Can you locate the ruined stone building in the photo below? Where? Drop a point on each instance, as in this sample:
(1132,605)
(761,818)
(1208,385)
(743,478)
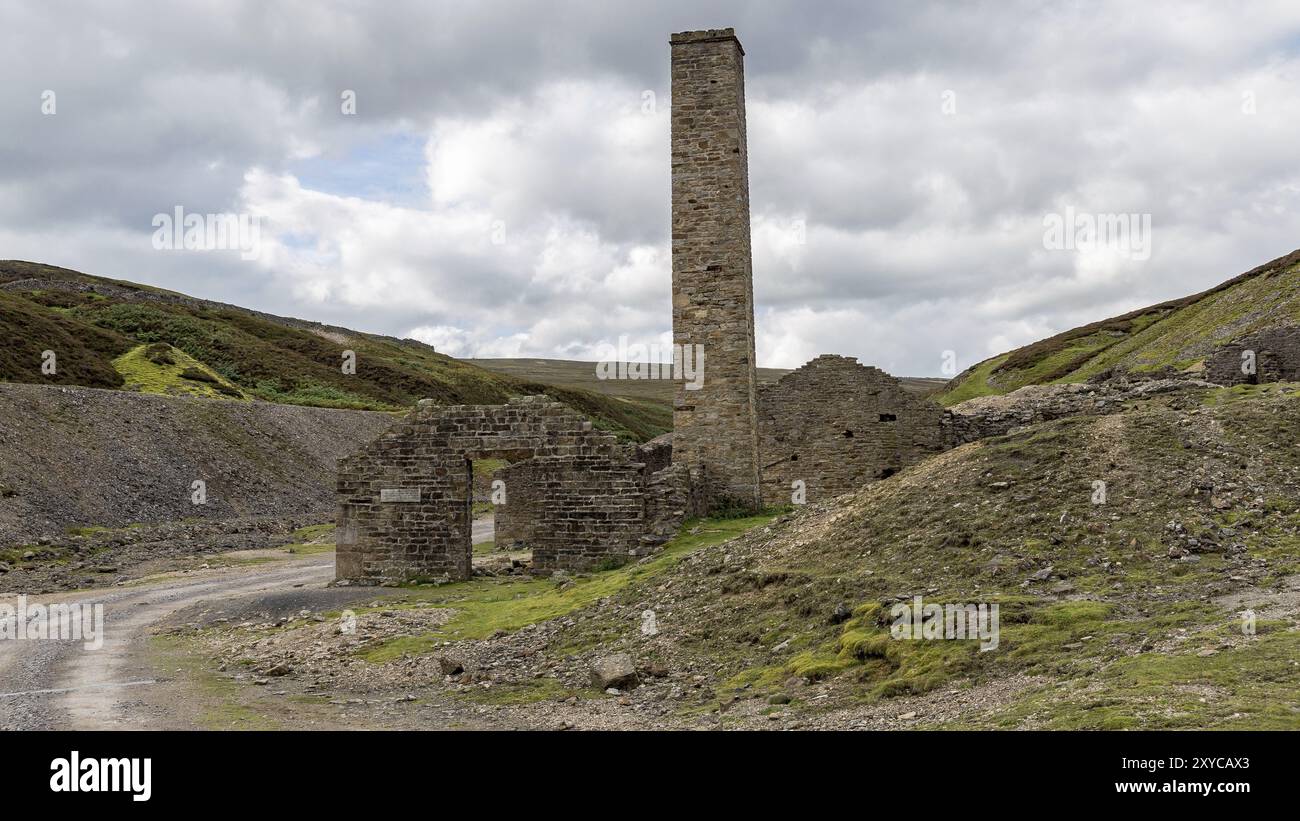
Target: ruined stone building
(406,499)
(580,500)
(834,425)
(515,523)
(1273,355)
(574,496)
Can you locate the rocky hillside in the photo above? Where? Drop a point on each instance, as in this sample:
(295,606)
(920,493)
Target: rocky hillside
(1172,337)
(1120,605)
(80,457)
(114,334)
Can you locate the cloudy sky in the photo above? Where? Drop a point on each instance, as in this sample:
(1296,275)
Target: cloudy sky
(502,188)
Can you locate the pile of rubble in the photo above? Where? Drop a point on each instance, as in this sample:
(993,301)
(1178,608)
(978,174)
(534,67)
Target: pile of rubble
(995,415)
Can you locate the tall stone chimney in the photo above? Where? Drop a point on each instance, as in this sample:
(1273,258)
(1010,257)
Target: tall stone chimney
(716,426)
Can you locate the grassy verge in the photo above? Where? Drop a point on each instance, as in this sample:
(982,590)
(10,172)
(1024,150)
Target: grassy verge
(524,692)
(217,702)
(485,606)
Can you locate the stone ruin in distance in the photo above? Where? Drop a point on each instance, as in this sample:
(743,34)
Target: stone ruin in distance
(576,497)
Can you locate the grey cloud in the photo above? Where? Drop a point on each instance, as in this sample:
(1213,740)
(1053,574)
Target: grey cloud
(919,225)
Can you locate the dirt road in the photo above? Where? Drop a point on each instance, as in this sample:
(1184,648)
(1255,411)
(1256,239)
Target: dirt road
(49,684)
(64,685)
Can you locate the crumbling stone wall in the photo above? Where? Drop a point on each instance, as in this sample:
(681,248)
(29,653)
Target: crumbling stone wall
(656,454)
(515,521)
(1277,358)
(713,296)
(837,425)
(673,495)
(405,500)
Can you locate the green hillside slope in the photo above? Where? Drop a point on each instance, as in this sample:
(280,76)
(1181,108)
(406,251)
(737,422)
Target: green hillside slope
(96,327)
(1175,335)
(1125,614)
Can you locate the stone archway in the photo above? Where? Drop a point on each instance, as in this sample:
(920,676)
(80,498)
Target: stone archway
(403,500)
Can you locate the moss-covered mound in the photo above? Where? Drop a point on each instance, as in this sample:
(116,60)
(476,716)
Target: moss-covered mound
(160,368)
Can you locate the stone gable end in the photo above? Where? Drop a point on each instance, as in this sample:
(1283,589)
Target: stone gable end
(837,425)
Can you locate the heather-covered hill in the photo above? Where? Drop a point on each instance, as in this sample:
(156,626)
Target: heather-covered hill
(1174,336)
(120,335)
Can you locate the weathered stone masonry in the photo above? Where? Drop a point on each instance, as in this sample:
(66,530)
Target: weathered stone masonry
(512,523)
(1276,352)
(515,522)
(405,501)
(837,425)
(715,428)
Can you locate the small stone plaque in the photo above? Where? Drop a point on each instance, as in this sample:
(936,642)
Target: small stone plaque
(399,494)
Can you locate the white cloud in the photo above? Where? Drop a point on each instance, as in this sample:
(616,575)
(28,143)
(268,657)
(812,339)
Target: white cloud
(883,227)
(504,260)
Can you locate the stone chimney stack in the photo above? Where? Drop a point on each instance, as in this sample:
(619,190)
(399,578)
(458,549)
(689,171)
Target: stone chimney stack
(715,427)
